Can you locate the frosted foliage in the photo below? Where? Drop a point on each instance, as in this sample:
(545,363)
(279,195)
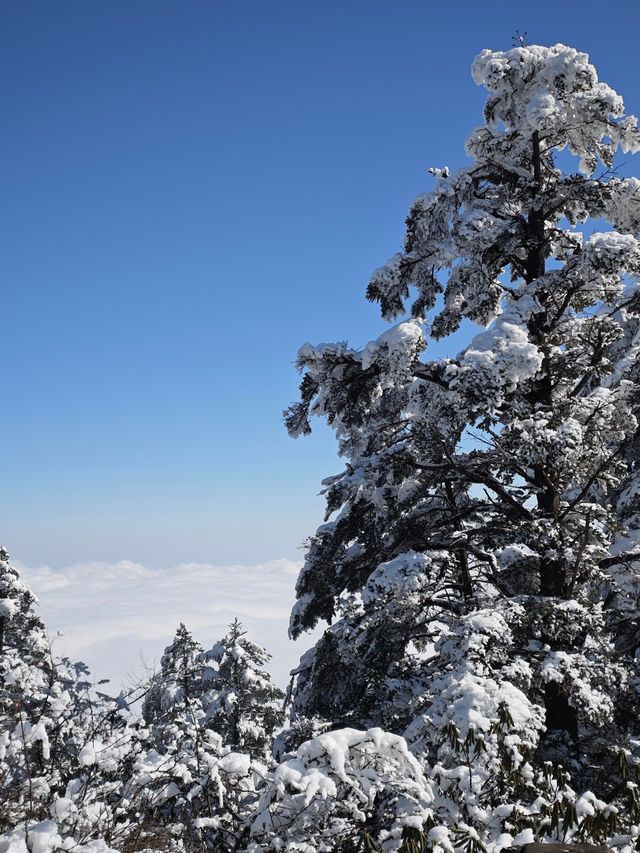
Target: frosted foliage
(395,351)
(339,788)
(478,565)
(195,789)
(623,207)
(494,365)
(553,91)
(177,687)
(192,775)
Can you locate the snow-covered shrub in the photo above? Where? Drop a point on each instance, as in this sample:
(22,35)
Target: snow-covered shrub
(343,790)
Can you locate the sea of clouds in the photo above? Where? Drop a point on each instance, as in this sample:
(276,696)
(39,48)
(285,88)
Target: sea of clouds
(118,617)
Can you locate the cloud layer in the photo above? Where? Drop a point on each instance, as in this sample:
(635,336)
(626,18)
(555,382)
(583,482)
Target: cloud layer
(115,615)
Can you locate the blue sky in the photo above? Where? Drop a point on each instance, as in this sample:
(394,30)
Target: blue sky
(190,191)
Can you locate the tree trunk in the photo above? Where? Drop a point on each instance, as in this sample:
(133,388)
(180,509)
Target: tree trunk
(560,715)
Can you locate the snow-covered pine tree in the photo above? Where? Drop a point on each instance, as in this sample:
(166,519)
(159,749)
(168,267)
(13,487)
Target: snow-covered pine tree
(27,677)
(189,788)
(179,680)
(474,563)
(243,705)
(61,741)
(175,781)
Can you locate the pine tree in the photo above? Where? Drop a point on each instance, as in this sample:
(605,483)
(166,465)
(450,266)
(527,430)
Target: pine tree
(20,627)
(27,680)
(243,706)
(479,560)
(175,781)
(189,786)
(62,742)
(178,684)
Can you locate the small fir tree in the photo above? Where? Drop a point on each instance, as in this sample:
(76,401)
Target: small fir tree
(175,782)
(243,706)
(344,790)
(178,685)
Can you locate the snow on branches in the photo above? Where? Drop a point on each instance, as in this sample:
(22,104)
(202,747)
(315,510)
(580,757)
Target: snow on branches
(343,788)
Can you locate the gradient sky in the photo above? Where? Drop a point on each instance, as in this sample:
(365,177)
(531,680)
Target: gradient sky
(191,190)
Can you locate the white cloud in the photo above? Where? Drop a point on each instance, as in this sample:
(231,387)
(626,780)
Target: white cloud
(112,614)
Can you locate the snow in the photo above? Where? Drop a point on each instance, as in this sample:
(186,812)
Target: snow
(235,762)
(87,755)
(44,837)
(524,837)
(472,703)
(513,554)
(8,607)
(396,349)
(400,576)
(495,363)
(39,733)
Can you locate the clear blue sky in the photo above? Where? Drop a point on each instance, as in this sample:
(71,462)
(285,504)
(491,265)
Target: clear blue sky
(191,190)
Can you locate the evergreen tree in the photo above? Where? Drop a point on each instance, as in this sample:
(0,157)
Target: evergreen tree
(175,782)
(177,687)
(21,629)
(62,743)
(188,787)
(479,561)
(243,706)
